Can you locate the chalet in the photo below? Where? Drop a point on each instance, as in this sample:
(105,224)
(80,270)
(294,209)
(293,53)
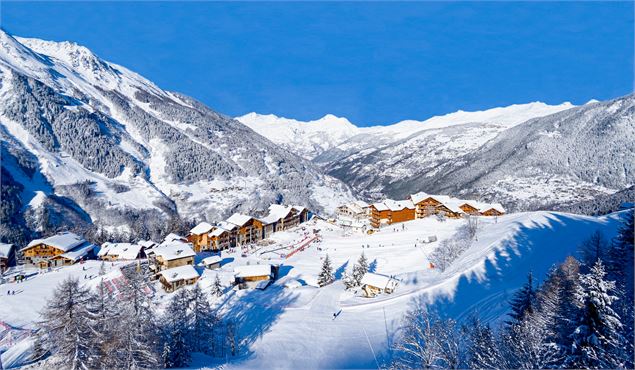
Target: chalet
(282,218)
(177,277)
(171,254)
(494,209)
(7,256)
(426,205)
(174,237)
(147,244)
(470,208)
(223,236)
(354,211)
(199,236)
(57,250)
(121,252)
(373,284)
(253,276)
(302,214)
(379,214)
(249,228)
(211,262)
(400,211)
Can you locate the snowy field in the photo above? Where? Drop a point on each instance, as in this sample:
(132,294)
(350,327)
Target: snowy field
(293,327)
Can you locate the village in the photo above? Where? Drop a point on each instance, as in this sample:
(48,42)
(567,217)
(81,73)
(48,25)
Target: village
(179,261)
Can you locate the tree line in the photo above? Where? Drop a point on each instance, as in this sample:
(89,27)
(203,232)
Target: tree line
(103,329)
(581,316)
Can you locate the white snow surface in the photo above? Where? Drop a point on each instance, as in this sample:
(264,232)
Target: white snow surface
(294,328)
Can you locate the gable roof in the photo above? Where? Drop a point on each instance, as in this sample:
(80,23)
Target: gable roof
(126,251)
(179,273)
(201,228)
(172,237)
(174,250)
(380,206)
(276,213)
(211,260)
(398,205)
(420,196)
(5,249)
(77,253)
(239,219)
(147,244)
(379,281)
(252,270)
(226,226)
(64,241)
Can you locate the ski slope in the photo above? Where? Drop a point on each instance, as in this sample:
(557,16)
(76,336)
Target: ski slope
(285,327)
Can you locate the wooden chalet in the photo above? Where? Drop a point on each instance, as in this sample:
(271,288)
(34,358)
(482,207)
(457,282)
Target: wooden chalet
(353,211)
(177,277)
(249,229)
(57,250)
(253,276)
(282,218)
(211,262)
(199,237)
(121,252)
(494,209)
(223,237)
(469,209)
(427,205)
(171,254)
(379,214)
(400,211)
(7,256)
(374,284)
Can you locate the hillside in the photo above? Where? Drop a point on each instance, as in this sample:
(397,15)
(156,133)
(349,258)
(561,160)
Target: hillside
(300,319)
(87,141)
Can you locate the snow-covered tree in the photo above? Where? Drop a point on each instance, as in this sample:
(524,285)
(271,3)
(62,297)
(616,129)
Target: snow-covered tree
(348,280)
(66,329)
(203,320)
(217,287)
(594,248)
(418,346)
(360,269)
(107,315)
(326,276)
(523,302)
(482,350)
(102,268)
(177,330)
(597,339)
(139,346)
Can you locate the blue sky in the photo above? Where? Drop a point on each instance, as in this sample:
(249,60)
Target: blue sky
(374,63)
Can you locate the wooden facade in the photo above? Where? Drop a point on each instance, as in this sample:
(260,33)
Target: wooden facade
(469,209)
(492,212)
(378,216)
(406,214)
(200,242)
(250,232)
(41,254)
(176,262)
(426,207)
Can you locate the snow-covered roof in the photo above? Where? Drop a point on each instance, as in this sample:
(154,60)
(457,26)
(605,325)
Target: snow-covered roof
(174,250)
(201,228)
(420,196)
(239,219)
(252,270)
(353,207)
(361,204)
(380,206)
(217,231)
(497,206)
(64,241)
(299,208)
(379,281)
(5,249)
(77,253)
(276,212)
(179,273)
(126,251)
(482,206)
(172,237)
(398,205)
(226,226)
(211,260)
(147,244)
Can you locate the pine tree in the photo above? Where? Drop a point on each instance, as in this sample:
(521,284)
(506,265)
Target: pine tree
(349,280)
(596,340)
(326,276)
(620,269)
(217,288)
(524,301)
(360,269)
(481,350)
(203,320)
(106,312)
(178,329)
(102,268)
(593,249)
(138,331)
(66,328)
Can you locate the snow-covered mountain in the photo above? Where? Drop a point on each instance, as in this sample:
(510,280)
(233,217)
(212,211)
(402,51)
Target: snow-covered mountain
(449,153)
(308,139)
(89,141)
